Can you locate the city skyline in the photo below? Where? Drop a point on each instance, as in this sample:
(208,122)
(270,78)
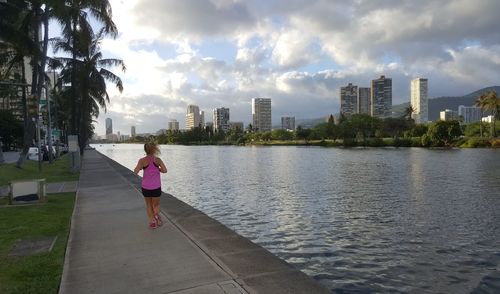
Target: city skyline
(299,54)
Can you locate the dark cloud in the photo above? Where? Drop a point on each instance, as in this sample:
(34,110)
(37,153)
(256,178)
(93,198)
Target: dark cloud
(194,17)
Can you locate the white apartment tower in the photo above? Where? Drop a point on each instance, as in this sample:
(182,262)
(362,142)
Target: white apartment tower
(221,119)
(202,119)
(173,125)
(192,117)
(381,97)
(349,99)
(419,100)
(261,114)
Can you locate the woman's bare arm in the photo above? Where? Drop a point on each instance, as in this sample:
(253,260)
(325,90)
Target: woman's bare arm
(163,168)
(138,167)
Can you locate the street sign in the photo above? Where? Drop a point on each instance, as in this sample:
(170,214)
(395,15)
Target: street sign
(56,132)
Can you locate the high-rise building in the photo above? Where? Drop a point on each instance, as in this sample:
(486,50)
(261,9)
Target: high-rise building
(381,97)
(469,114)
(221,119)
(364,102)
(109,126)
(173,125)
(261,114)
(349,99)
(202,119)
(288,123)
(448,114)
(192,116)
(419,100)
(132,131)
(12,98)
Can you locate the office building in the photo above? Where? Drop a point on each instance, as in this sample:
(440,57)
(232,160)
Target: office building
(109,126)
(221,120)
(261,114)
(469,114)
(132,131)
(448,115)
(364,103)
(419,100)
(381,97)
(192,116)
(288,123)
(349,99)
(173,125)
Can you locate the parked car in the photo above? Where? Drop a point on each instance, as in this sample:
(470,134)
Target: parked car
(33,153)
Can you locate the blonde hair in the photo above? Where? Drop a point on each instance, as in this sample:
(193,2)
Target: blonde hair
(151,148)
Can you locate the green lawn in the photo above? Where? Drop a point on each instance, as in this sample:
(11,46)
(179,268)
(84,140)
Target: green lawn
(58,171)
(39,273)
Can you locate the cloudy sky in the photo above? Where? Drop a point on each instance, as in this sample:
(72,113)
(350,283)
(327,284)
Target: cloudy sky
(222,53)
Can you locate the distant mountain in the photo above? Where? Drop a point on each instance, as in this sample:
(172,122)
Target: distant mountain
(441,103)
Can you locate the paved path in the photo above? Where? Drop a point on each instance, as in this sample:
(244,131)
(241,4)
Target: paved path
(111,250)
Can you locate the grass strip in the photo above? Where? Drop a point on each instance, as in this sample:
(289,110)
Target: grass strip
(40,273)
(58,171)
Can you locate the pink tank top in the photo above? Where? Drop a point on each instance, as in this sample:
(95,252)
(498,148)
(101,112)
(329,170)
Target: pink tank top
(151,175)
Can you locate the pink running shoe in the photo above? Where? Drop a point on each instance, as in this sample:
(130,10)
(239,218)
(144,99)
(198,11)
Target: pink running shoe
(152,225)
(159,222)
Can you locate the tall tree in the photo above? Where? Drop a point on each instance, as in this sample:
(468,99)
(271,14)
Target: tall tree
(76,30)
(408,112)
(490,102)
(90,73)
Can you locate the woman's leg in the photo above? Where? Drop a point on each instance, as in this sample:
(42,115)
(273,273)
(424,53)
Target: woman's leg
(149,208)
(156,205)
(156,209)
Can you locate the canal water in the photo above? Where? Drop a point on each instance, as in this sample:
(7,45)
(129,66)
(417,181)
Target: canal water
(357,220)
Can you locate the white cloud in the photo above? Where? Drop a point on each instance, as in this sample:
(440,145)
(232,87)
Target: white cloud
(297,52)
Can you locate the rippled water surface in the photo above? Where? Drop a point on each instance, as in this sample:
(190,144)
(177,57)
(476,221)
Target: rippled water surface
(357,220)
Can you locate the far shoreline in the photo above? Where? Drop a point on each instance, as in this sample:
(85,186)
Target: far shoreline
(385,143)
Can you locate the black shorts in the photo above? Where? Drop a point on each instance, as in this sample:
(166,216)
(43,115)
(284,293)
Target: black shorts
(151,193)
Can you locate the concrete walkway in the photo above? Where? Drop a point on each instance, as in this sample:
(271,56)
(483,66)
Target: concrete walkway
(111,250)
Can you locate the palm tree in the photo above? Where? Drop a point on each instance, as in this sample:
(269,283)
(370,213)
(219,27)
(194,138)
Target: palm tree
(489,101)
(408,112)
(76,30)
(90,72)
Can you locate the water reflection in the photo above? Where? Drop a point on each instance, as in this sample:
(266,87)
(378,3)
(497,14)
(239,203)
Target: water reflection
(372,220)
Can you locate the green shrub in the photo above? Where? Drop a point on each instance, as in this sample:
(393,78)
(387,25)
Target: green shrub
(495,143)
(426,141)
(375,142)
(348,142)
(476,143)
(416,142)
